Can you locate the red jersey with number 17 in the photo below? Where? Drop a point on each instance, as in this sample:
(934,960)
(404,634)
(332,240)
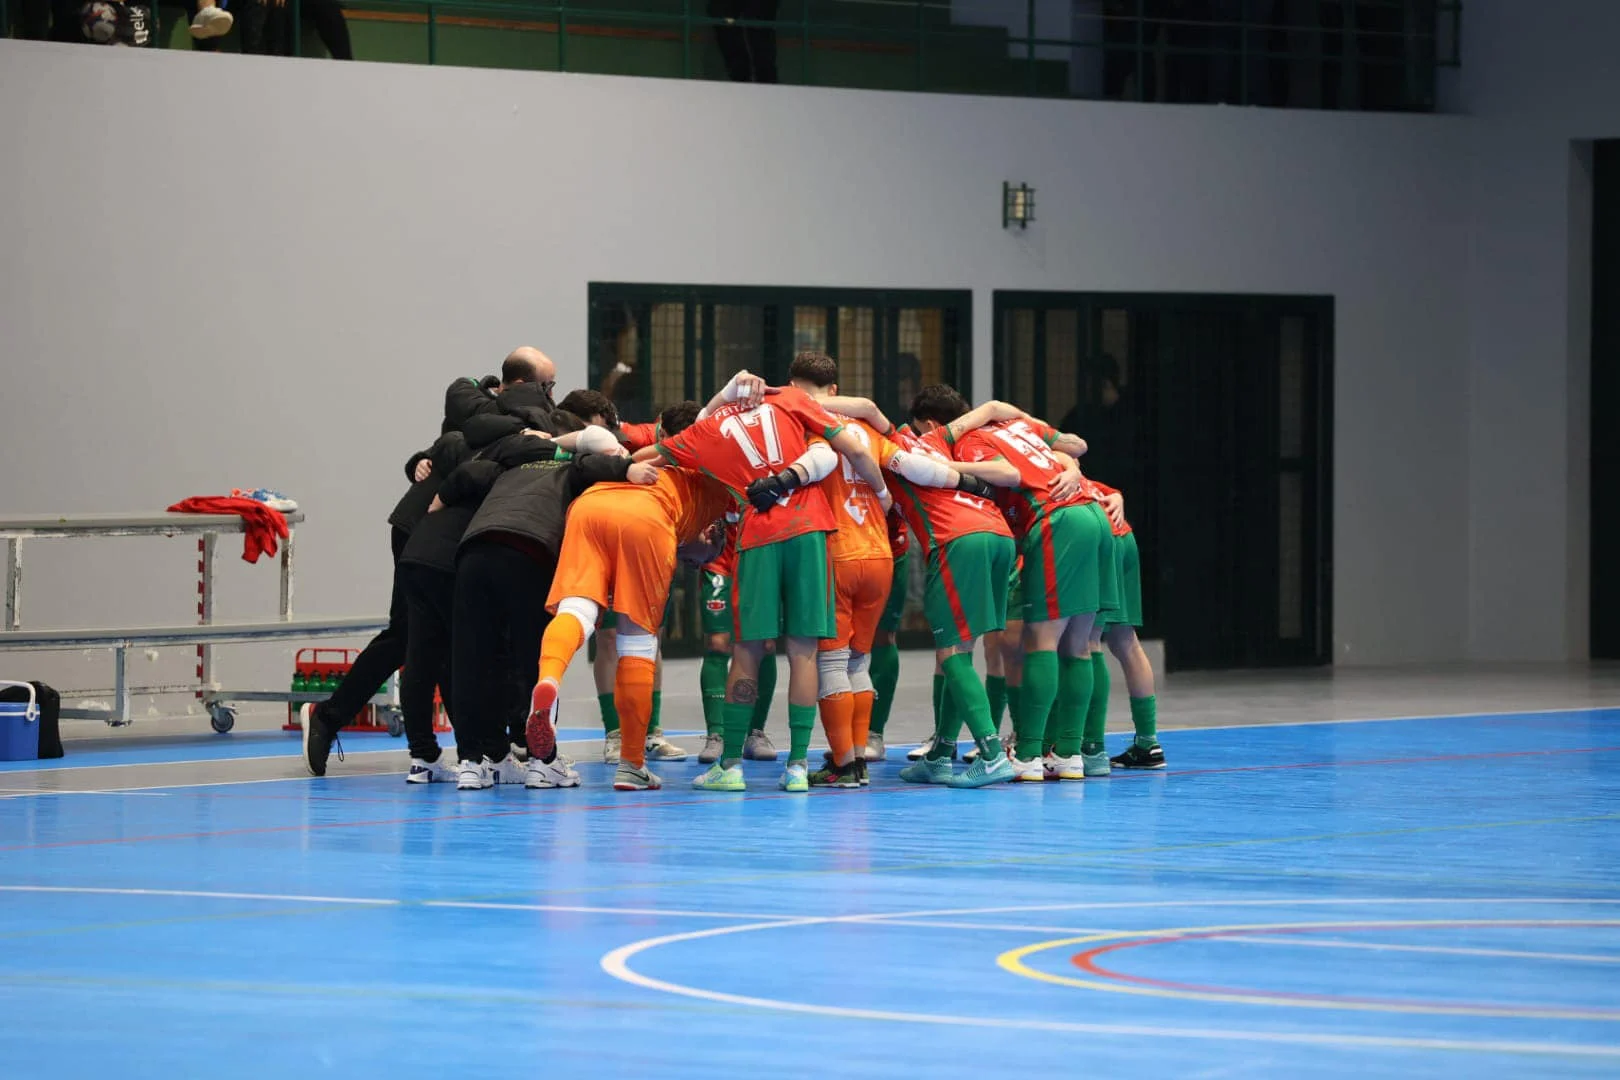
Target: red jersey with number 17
(1024,443)
(738,445)
(940,515)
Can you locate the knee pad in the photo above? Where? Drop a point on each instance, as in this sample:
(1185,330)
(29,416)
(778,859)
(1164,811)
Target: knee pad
(833,666)
(642,646)
(583,611)
(860,673)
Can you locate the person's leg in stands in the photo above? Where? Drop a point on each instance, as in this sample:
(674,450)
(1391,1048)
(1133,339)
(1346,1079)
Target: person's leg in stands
(35,23)
(327,15)
(382,656)
(761,40)
(731,40)
(429,598)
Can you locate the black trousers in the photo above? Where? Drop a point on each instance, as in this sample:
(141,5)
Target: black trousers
(381,657)
(325,15)
(749,52)
(498,619)
(429,603)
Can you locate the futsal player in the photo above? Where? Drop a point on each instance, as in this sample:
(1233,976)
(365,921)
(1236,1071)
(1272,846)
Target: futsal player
(1120,635)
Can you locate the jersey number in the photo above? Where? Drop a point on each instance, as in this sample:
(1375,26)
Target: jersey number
(853,505)
(1021,437)
(736,428)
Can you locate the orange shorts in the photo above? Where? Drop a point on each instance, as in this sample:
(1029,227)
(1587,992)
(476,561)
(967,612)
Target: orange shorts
(621,559)
(861,588)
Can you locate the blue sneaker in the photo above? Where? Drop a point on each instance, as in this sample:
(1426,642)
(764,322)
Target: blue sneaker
(982,773)
(927,771)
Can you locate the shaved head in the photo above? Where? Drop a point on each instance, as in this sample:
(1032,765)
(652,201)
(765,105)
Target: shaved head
(528,364)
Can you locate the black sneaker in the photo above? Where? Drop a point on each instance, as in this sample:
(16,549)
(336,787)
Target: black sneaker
(837,776)
(1135,757)
(865,773)
(320,738)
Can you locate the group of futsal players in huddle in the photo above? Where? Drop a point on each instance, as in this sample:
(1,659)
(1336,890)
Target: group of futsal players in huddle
(530,525)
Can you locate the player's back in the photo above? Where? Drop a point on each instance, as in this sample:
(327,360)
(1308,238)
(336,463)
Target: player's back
(1026,445)
(939,515)
(863,531)
(689,500)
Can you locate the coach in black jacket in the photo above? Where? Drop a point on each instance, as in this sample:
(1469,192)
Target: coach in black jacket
(504,568)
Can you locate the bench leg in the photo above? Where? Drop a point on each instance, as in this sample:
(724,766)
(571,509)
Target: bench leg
(13,583)
(205,609)
(121,707)
(287,574)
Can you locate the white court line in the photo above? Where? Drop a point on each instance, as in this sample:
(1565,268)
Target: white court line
(1285,939)
(660,912)
(1010,928)
(616,964)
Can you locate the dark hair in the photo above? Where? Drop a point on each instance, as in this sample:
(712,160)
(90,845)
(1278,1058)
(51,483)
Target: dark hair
(517,370)
(938,403)
(589,403)
(677,418)
(816,368)
(563,421)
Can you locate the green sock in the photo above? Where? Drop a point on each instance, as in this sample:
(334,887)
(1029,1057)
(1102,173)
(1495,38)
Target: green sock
(767,691)
(947,722)
(801,723)
(1013,706)
(885,677)
(1145,718)
(939,703)
(712,681)
(737,715)
(972,704)
(1091,738)
(658,701)
(1074,698)
(995,688)
(1039,692)
(610,712)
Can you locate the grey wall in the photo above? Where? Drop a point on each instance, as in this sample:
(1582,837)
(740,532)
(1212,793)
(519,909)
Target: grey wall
(279,296)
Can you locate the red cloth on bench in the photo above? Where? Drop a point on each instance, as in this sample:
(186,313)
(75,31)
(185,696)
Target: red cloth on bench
(263,526)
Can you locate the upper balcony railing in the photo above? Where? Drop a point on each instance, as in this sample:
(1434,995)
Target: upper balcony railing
(1313,54)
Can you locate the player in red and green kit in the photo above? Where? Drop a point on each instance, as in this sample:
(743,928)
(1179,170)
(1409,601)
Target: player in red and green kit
(783,586)
(1119,631)
(1068,576)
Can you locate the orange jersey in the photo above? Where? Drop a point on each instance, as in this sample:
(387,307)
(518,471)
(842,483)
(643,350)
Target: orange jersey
(939,515)
(737,445)
(1025,444)
(863,530)
(1103,489)
(689,501)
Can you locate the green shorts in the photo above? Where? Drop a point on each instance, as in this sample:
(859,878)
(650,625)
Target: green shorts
(899,587)
(1128,562)
(965,597)
(785,588)
(1069,565)
(716,603)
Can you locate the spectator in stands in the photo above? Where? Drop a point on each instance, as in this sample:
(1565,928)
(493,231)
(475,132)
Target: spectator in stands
(327,17)
(749,51)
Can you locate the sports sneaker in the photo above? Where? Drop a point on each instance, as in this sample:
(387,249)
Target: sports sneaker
(549,774)
(714,748)
(520,752)
(866,775)
(661,749)
(612,748)
(758,747)
(1136,756)
(927,771)
(1049,762)
(629,778)
(541,731)
(1029,771)
(837,776)
(1095,765)
(442,771)
(720,778)
(875,750)
(796,777)
(921,751)
(982,773)
(320,739)
(211,22)
(474,775)
(1067,768)
(508,770)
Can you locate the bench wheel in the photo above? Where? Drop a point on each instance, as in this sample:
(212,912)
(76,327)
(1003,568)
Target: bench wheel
(394,721)
(221,717)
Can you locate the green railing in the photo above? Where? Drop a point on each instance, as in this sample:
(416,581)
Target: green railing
(1349,54)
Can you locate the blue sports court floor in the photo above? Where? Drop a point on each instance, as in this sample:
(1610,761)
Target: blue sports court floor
(1403,897)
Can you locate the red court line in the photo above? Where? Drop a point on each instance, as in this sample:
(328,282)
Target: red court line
(1087,962)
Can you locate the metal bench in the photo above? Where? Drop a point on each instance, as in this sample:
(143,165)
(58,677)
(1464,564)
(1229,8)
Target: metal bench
(220,713)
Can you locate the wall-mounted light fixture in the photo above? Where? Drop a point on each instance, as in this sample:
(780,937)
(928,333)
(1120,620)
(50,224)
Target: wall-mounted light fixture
(1017,205)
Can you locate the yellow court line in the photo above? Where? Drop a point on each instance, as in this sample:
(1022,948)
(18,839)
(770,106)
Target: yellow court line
(1012,961)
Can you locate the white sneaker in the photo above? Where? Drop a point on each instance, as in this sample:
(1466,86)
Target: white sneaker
(758,747)
(443,771)
(211,22)
(661,749)
(1072,767)
(557,773)
(611,742)
(474,775)
(1029,771)
(972,754)
(714,748)
(875,750)
(917,753)
(509,770)
(520,752)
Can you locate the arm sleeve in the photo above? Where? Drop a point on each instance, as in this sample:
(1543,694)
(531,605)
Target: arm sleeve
(679,451)
(515,450)
(588,469)
(486,428)
(469,483)
(1047,433)
(449,451)
(819,462)
(412,461)
(921,469)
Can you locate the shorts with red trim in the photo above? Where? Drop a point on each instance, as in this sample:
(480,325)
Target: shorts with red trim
(1069,565)
(966,593)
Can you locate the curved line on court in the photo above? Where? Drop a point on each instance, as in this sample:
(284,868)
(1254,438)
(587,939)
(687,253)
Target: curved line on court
(1087,962)
(617,964)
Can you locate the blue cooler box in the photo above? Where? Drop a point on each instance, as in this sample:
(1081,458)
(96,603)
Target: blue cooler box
(19,726)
